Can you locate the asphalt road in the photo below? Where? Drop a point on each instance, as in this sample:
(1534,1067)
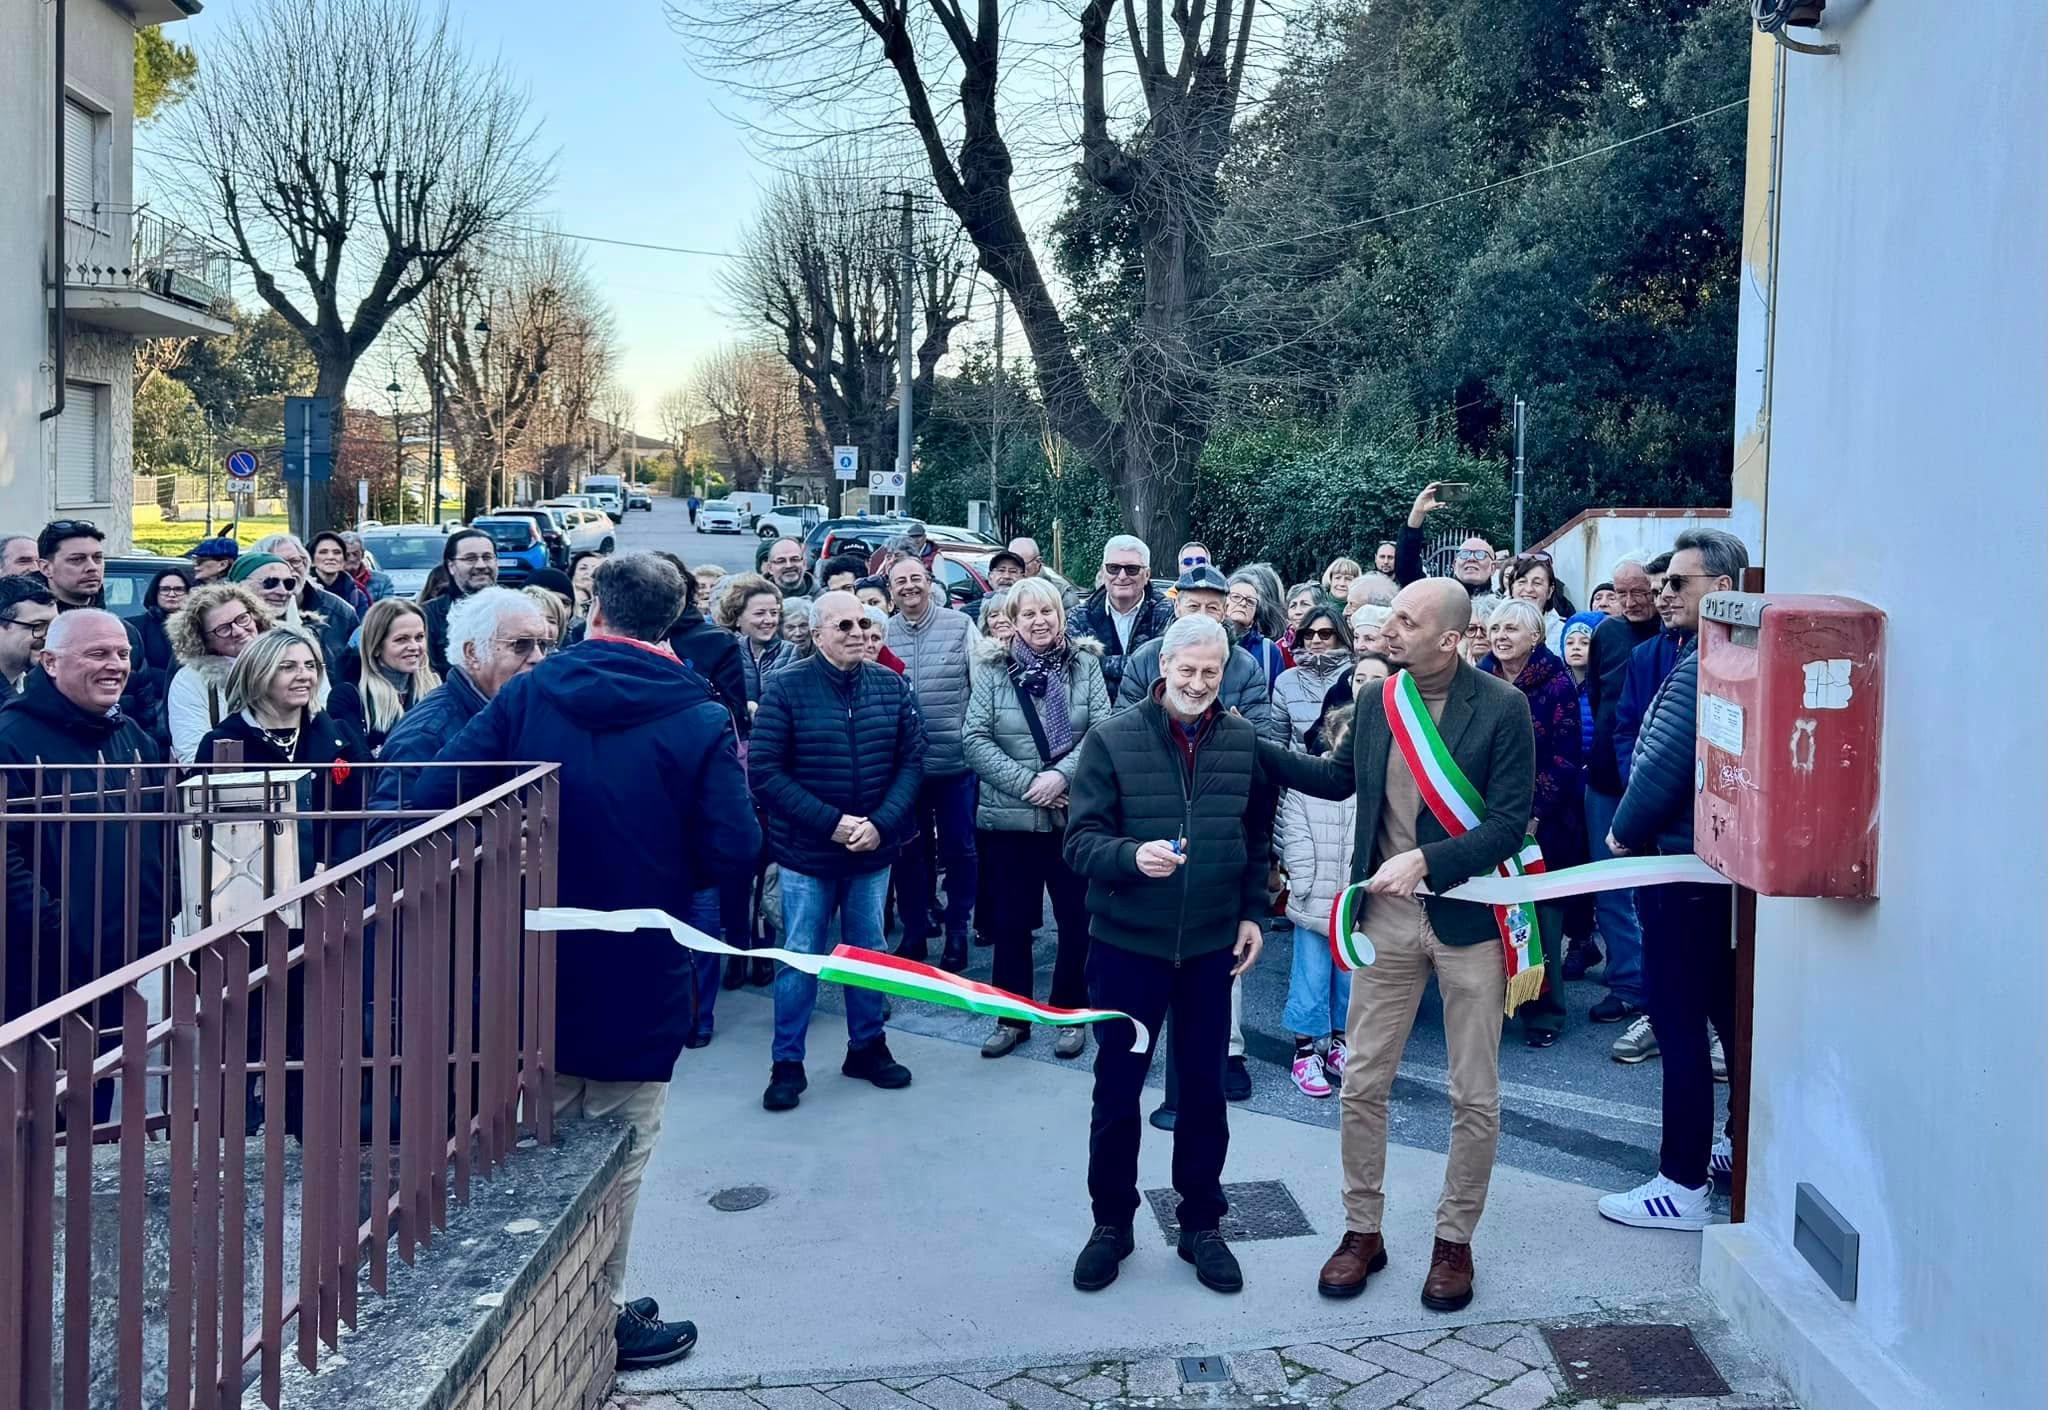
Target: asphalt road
(1568,1111)
(668,527)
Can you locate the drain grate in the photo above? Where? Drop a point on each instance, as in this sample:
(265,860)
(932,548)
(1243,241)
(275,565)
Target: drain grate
(740,1197)
(1623,1362)
(1259,1209)
(1197,1369)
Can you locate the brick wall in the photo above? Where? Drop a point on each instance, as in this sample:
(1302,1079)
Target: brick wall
(558,1349)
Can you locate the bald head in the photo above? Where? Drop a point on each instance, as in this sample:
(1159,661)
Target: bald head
(838,628)
(1425,625)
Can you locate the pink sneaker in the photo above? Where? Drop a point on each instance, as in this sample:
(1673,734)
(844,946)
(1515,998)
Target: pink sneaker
(1334,1060)
(1308,1075)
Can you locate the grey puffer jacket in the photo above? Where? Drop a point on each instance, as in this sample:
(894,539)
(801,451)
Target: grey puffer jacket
(935,666)
(1313,837)
(1656,811)
(1300,690)
(1244,690)
(998,743)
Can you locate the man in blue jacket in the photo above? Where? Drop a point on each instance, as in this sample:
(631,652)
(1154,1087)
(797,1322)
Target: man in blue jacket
(653,811)
(836,759)
(1688,961)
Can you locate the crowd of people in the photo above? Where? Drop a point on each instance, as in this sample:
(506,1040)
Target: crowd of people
(787,756)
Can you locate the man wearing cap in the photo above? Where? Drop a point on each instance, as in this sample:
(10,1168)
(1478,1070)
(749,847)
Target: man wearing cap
(918,543)
(1005,567)
(212,559)
(1201,591)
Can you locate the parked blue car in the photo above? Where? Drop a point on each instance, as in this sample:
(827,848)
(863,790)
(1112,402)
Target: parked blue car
(522,551)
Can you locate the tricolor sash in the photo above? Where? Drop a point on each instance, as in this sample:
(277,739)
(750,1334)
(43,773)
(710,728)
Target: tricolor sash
(1458,807)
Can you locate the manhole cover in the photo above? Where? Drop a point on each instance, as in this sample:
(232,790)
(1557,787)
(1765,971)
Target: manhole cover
(740,1197)
(1196,1369)
(1623,1362)
(1259,1209)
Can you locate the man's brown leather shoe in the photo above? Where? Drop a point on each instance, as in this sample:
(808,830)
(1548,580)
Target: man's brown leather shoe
(1448,1288)
(1357,1258)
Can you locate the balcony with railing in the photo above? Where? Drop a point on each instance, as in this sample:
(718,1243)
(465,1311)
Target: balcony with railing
(131,271)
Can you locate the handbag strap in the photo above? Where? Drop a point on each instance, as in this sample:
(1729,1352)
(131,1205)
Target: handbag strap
(1031,723)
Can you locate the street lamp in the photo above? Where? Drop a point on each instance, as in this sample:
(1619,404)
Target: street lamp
(397,447)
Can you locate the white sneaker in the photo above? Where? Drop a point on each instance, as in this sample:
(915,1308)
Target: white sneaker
(1719,1058)
(1334,1060)
(1659,1203)
(1638,1043)
(1721,1160)
(1308,1074)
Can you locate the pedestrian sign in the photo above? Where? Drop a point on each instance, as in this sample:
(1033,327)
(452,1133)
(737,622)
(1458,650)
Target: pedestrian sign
(242,465)
(846,462)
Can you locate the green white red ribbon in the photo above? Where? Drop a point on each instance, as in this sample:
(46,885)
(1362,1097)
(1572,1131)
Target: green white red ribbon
(1459,807)
(848,965)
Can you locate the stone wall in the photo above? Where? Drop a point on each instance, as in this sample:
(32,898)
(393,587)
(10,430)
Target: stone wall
(557,1346)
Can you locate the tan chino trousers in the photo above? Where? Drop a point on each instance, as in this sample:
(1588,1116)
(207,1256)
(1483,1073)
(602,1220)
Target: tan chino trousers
(1384,998)
(639,1105)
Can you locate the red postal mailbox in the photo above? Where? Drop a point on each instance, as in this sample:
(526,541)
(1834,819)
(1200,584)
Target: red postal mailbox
(1791,723)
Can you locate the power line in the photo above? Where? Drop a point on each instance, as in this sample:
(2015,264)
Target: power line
(1489,186)
(629,244)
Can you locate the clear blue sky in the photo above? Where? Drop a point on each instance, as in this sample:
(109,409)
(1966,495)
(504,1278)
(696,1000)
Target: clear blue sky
(640,155)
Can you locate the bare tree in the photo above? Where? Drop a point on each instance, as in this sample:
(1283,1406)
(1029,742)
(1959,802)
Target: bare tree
(821,266)
(752,396)
(1145,429)
(675,416)
(349,150)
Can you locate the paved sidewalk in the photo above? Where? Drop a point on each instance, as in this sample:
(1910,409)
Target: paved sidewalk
(1490,1366)
(926,1232)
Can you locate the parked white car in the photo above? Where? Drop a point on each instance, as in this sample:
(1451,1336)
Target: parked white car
(583,529)
(721,516)
(789,521)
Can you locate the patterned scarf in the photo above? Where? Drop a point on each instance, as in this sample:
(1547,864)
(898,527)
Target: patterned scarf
(1044,679)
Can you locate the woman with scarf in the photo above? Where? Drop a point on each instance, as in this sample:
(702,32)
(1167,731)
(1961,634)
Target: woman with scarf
(1300,598)
(1322,657)
(391,672)
(1031,704)
(1514,632)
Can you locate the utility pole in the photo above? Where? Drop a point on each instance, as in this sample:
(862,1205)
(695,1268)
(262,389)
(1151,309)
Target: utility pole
(908,276)
(995,418)
(434,391)
(1521,424)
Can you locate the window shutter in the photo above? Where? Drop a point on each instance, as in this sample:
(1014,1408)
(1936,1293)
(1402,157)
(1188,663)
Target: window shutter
(81,154)
(81,445)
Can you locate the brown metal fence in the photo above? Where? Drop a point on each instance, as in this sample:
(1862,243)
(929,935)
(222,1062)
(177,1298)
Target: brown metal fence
(285,1093)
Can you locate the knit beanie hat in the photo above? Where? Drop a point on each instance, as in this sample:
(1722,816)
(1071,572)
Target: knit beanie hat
(246,566)
(1588,622)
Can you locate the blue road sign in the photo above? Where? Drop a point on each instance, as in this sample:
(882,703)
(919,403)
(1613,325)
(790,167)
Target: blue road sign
(308,437)
(242,465)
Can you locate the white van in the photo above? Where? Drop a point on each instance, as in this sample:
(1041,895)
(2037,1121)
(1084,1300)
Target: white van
(610,493)
(751,503)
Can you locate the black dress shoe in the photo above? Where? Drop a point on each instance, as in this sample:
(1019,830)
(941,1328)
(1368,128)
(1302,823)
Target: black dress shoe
(761,973)
(916,950)
(697,1040)
(1237,1081)
(735,973)
(1215,1265)
(1108,1246)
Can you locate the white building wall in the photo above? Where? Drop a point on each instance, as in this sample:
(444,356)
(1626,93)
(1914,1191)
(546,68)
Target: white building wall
(100,69)
(1900,1045)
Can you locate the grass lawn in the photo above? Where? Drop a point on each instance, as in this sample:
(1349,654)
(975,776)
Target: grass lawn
(178,537)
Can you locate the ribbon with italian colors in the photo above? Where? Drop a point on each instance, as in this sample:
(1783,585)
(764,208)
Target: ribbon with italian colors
(1459,807)
(848,965)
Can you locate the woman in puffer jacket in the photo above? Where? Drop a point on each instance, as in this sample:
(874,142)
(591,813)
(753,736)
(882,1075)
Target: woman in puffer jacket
(1030,704)
(1322,657)
(1314,839)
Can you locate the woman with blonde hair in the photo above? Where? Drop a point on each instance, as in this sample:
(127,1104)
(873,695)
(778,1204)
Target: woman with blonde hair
(1338,577)
(391,669)
(553,607)
(750,608)
(217,622)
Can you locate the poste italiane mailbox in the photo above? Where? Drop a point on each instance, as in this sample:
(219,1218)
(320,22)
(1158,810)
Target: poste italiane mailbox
(1791,717)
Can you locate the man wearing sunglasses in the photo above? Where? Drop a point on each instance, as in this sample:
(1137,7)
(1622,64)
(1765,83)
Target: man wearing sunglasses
(1474,563)
(1126,611)
(654,812)
(835,762)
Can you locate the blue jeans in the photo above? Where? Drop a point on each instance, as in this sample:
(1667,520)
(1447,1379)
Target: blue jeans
(704,968)
(809,904)
(1615,911)
(942,832)
(1318,993)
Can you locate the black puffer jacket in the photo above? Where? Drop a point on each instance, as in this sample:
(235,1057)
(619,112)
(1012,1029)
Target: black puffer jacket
(1134,785)
(712,653)
(829,743)
(1155,615)
(1656,811)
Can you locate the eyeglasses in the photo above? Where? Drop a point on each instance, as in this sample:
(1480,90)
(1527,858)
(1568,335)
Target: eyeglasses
(524,646)
(277,584)
(1474,555)
(1320,634)
(34,629)
(473,560)
(1193,560)
(234,626)
(1124,570)
(71,528)
(1634,594)
(1675,583)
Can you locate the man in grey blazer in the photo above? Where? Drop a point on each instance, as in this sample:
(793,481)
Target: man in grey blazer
(1399,846)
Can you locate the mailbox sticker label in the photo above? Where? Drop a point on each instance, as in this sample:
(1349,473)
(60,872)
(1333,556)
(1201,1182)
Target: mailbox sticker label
(1721,723)
(1827,685)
